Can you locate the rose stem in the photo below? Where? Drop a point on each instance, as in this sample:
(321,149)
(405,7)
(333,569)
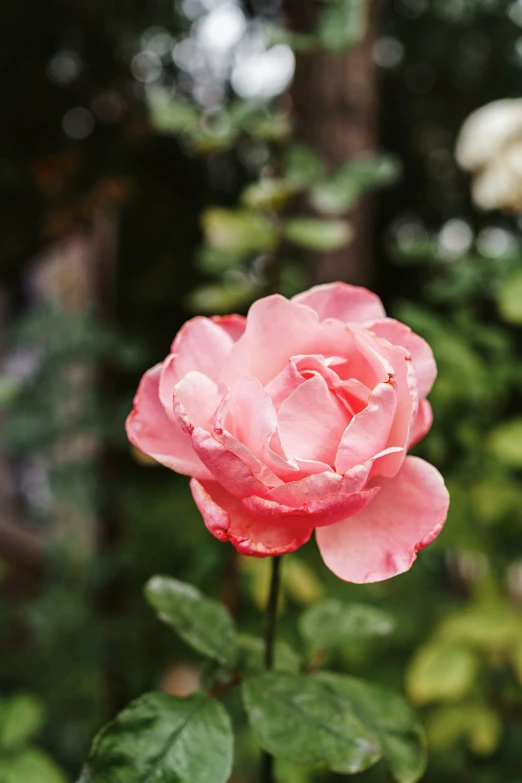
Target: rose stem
(271,622)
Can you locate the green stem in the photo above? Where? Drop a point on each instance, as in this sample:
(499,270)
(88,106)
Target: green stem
(267,772)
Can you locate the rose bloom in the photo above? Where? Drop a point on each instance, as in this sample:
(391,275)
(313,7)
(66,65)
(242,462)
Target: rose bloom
(490,147)
(298,418)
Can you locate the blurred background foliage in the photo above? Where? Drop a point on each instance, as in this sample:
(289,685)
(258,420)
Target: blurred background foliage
(155,162)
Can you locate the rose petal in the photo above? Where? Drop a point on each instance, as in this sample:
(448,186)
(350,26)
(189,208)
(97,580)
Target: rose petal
(422,424)
(227,520)
(286,382)
(234,325)
(153,433)
(235,473)
(249,415)
(327,510)
(366,365)
(368,432)
(383,539)
(407,400)
(421,353)
(311,422)
(247,423)
(277,329)
(196,399)
(168,380)
(201,345)
(347,303)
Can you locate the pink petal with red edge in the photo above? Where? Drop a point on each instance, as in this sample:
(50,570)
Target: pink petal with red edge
(318,486)
(227,520)
(232,471)
(420,351)
(325,511)
(382,540)
(153,433)
(348,303)
(246,423)
(201,345)
(407,400)
(277,329)
(368,432)
(234,325)
(422,424)
(311,422)
(259,470)
(249,415)
(196,399)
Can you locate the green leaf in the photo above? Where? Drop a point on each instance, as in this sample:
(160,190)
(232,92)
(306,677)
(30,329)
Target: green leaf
(268,194)
(509,298)
(342,24)
(9,389)
(201,622)
(492,628)
(332,623)
(352,180)
(216,138)
(505,443)
(477,723)
(238,231)
(160,739)
(441,672)
(257,120)
(301,582)
(303,166)
(32,766)
(251,656)
(302,720)
(21,717)
(223,297)
(319,235)
(335,197)
(371,171)
(171,115)
(213,260)
(394,728)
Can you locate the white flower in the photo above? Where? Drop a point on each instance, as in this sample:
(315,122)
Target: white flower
(490,147)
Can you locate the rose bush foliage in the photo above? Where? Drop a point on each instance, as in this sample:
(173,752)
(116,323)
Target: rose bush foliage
(299,418)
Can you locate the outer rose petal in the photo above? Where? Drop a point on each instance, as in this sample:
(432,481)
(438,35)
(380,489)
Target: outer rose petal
(168,380)
(328,510)
(422,424)
(317,486)
(202,345)
(347,303)
(383,539)
(151,431)
(238,474)
(227,520)
(417,347)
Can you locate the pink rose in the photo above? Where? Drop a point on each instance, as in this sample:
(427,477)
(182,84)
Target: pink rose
(298,418)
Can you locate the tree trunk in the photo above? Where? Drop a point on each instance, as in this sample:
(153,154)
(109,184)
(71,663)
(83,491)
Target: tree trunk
(334,108)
